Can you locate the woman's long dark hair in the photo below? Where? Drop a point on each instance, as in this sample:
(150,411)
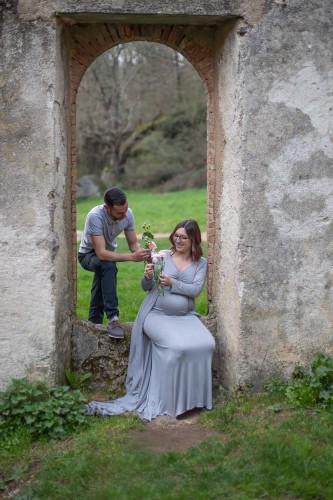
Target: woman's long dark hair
(193,232)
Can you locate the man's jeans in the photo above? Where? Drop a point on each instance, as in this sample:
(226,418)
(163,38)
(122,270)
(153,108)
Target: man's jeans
(104,287)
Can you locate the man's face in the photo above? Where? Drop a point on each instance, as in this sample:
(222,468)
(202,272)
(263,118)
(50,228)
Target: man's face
(117,212)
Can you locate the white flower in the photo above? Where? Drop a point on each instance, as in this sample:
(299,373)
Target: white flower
(155,259)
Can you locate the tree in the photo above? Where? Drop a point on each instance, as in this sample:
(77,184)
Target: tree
(124,98)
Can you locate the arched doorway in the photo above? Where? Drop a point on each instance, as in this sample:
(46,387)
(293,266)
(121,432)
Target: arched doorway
(214,50)
(141,125)
(90,41)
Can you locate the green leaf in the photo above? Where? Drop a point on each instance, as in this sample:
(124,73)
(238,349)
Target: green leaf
(148,234)
(29,419)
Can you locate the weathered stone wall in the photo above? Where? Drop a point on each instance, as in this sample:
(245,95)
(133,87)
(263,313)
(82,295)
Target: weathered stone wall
(269,89)
(274,284)
(35,291)
(94,352)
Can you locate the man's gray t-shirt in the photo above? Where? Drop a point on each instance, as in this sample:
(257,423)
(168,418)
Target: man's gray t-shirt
(99,223)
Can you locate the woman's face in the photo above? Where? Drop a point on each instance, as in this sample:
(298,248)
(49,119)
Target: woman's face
(181,241)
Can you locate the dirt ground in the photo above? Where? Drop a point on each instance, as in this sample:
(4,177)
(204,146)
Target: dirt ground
(166,434)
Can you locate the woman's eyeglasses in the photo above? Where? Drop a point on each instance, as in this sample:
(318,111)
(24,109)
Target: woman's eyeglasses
(180,237)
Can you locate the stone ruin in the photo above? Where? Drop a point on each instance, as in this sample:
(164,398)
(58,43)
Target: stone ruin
(268,75)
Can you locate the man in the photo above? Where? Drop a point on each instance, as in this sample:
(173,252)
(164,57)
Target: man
(97,253)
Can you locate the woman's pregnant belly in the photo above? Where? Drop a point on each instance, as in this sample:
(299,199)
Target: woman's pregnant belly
(172,304)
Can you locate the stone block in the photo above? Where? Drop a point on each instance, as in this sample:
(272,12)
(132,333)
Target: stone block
(95,352)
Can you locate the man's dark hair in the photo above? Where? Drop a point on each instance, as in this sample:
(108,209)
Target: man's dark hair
(114,196)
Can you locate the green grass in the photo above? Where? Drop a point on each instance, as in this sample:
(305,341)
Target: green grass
(259,453)
(162,211)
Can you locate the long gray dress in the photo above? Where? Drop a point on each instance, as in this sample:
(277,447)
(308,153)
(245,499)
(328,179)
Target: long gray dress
(169,370)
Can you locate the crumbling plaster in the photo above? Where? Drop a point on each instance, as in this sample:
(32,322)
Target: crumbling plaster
(285,245)
(35,319)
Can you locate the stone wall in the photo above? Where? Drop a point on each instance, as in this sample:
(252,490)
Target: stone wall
(35,315)
(93,351)
(277,191)
(268,75)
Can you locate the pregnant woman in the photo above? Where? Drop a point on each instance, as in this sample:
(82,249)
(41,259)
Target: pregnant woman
(169,369)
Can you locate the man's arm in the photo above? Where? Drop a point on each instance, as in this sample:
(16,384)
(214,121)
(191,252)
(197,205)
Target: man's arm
(138,255)
(132,240)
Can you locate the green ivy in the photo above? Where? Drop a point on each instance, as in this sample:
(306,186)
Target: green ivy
(45,411)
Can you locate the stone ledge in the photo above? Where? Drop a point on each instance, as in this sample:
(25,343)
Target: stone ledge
(106,358)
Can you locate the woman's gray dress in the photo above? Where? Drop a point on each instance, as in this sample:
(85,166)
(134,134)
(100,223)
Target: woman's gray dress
(169,369)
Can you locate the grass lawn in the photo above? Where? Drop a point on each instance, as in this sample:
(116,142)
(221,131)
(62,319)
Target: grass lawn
(264,450)
(162,211)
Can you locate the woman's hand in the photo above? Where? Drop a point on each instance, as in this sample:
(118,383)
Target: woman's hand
(149,271)
(165,280)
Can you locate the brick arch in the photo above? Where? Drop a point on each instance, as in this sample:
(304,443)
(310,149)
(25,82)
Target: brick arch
(90,42)
(194,42)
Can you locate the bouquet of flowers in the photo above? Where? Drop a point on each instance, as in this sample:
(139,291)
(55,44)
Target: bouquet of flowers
(158,261)
(157,258)
(148,238)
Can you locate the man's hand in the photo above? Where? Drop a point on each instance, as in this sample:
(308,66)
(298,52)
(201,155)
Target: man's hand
(138,254)
(141,254)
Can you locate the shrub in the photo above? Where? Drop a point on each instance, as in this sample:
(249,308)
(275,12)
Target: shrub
(276,386)
(314,384)
(42,410)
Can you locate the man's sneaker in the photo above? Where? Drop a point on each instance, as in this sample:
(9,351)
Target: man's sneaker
(114,329)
